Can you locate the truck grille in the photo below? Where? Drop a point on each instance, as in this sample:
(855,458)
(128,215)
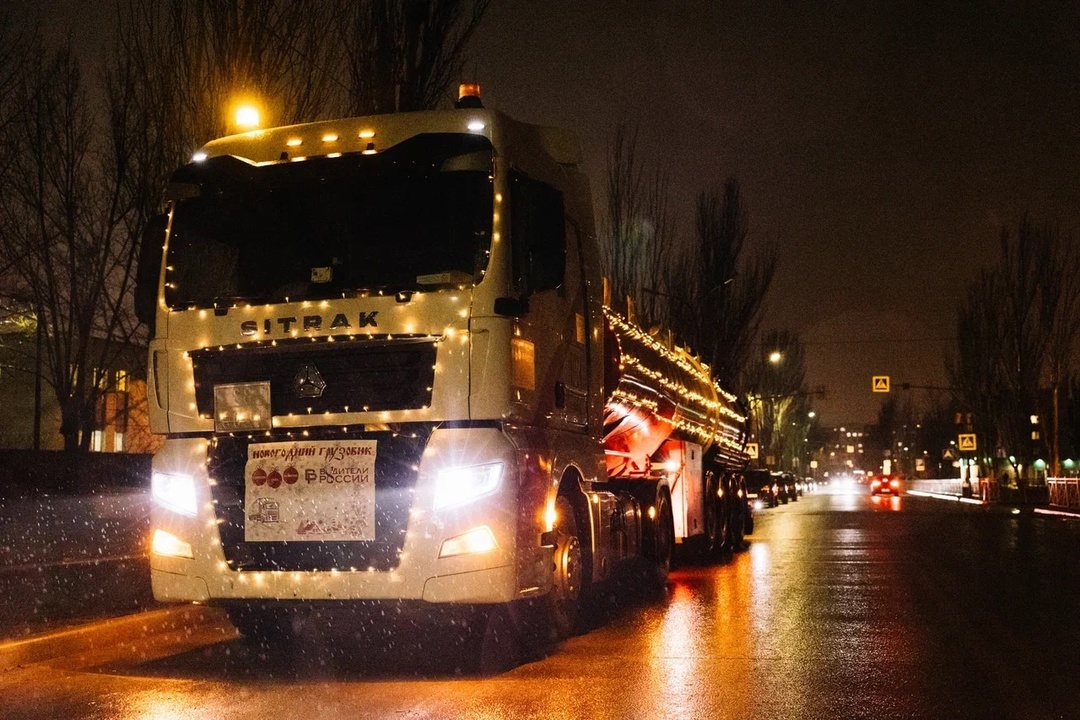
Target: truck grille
(359,376)
(396,460)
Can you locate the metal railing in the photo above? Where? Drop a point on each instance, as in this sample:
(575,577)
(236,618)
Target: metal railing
(1064,492)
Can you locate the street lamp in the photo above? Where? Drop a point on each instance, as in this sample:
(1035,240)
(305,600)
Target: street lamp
(775,357)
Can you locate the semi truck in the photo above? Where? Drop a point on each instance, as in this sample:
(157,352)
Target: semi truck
(385,370)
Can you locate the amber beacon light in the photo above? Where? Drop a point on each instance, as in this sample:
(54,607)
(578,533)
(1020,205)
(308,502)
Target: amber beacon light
(469,96)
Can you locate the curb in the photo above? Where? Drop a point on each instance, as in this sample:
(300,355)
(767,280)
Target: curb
(97,636)
(1038,510)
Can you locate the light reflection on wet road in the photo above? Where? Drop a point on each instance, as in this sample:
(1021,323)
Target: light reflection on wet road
(844,606)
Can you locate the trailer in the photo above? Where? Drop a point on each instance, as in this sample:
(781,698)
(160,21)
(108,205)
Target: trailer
(385,371)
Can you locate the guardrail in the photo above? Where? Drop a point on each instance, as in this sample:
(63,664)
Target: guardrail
(1064,492)
(945,486)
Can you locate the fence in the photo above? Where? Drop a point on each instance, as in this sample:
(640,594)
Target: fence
(946,486)
(1064,492)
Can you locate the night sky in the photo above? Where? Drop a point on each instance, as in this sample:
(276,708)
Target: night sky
(880,145)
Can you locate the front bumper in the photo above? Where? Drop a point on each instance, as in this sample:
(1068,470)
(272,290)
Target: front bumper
(220,571)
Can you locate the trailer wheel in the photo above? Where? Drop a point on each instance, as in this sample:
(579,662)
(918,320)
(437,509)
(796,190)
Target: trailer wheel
(736,536)
(716,514)
(661,540)
(569,575)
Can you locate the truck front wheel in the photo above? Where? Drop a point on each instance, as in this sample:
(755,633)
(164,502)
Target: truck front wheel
(569,576)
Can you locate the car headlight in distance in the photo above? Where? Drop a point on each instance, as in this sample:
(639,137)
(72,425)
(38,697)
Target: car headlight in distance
(460,485)
(174,491)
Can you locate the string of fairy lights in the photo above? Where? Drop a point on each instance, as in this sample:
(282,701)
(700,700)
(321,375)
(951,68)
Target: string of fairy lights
(714,405)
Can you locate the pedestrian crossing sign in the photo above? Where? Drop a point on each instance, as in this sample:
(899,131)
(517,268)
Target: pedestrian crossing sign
(966,442)
(881,383)
(752,450)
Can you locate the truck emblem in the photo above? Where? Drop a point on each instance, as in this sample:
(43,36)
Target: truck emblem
(308,383)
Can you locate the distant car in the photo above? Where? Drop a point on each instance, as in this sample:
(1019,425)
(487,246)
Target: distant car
(762,486)
(884,484)
(789,488)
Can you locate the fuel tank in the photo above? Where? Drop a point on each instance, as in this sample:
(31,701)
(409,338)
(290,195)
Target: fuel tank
(655,390)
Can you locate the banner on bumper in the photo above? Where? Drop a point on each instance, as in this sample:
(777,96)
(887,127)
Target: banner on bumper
(310,491)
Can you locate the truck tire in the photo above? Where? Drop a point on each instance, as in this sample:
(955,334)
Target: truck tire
(568,581)
(716,515)
(660,541)
(736,528)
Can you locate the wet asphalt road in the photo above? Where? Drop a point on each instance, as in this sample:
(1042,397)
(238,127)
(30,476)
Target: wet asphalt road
(844,606)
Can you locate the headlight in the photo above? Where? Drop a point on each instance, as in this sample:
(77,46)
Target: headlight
(460,485)
(175,492)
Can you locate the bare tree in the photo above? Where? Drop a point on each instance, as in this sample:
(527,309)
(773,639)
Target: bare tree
(779,399)
(1016,335)
(975,371)
(726,289)
(62,234)
(403,55)
(16,46)
(1060,305)
(178,64)
(639,229)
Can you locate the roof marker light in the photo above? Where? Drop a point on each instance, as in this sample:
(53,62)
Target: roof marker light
(294,142)
(329,137)
(367,134)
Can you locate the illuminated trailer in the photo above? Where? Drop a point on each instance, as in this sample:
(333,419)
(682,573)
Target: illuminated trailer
(384,371)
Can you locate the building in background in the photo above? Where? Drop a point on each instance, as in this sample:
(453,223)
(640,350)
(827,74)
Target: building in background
(121,420)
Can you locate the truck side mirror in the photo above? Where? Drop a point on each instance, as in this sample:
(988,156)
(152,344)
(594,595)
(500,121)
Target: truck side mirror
(151,250)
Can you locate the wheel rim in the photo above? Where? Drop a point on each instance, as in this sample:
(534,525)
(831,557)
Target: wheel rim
(568,564)
(716,524)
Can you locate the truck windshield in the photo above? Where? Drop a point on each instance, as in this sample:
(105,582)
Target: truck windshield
(418,214)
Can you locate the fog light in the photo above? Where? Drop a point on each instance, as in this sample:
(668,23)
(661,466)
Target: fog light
(477,540)
(169,545)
